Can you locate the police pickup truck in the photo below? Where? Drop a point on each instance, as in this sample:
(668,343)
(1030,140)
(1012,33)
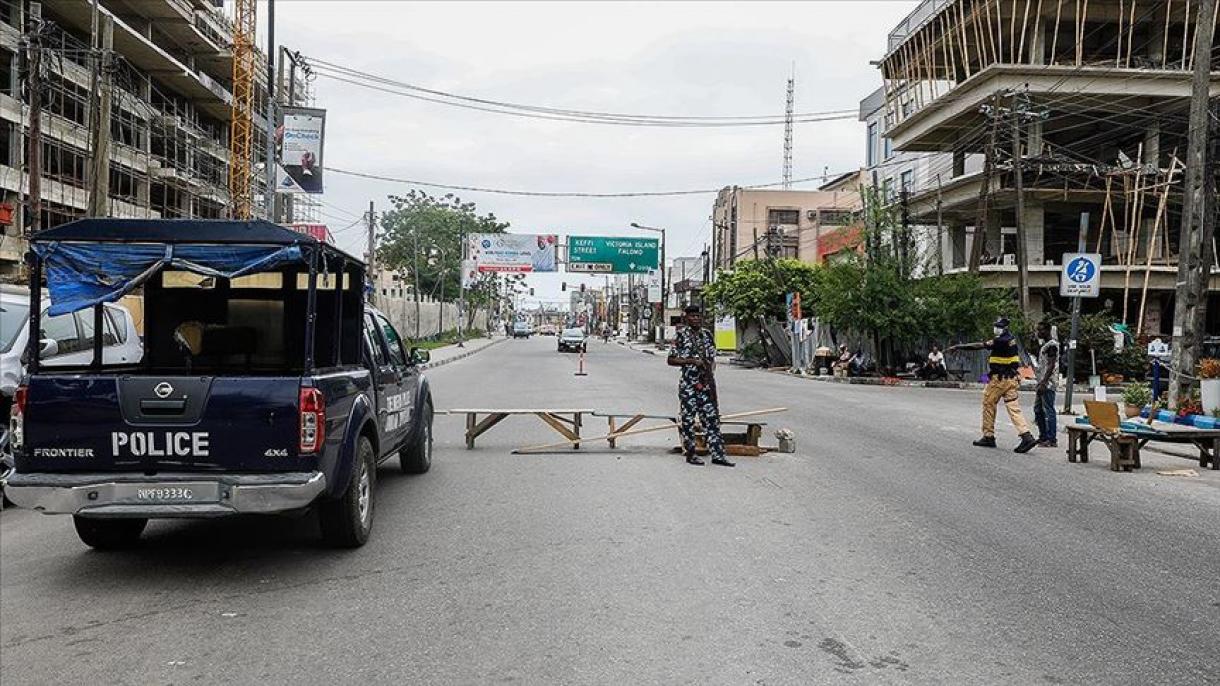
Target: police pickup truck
(266,384)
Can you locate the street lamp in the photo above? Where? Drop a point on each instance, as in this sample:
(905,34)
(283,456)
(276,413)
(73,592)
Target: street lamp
(664,294)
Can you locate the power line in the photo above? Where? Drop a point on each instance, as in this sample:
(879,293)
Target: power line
(403,89)
(568,194)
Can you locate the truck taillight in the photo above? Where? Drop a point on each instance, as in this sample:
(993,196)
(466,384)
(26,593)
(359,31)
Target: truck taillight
(16,421)
(313,420)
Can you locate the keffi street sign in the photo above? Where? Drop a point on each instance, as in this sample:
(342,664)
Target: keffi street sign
(1081,275)
(611,255)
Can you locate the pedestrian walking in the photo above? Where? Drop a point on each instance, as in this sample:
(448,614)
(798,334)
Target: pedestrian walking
(1002,384)
(1047,380)
(695,352)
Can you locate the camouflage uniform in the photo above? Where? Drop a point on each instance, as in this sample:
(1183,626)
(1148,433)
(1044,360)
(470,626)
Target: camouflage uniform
(697,391)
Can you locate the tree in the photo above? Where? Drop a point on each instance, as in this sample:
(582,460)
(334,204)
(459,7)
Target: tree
(436,227)
(758,288)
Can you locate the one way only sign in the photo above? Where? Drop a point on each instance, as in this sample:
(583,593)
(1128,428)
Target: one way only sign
(1081,275)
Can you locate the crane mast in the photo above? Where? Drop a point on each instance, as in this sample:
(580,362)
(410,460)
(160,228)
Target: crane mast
(241,128)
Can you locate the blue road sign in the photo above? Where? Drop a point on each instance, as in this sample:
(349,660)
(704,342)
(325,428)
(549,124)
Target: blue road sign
(1081,275)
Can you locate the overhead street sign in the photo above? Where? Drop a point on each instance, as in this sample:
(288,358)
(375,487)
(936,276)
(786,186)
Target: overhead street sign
(1081,275)
(611,255)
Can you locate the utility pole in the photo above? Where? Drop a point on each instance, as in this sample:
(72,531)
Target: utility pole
(1198,220)
(940,233)
(272,165)
(415,275)
(99,178)
(461,288)
(981,222)
(372,250)
(1018,174)
(33,38)
(1071,375)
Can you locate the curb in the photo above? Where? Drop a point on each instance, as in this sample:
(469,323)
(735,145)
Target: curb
(455,358)
(903,383)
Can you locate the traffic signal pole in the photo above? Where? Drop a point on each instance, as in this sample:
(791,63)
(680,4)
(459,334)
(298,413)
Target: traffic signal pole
(1071,380)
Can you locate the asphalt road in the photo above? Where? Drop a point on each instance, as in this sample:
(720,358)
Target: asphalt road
(886,550)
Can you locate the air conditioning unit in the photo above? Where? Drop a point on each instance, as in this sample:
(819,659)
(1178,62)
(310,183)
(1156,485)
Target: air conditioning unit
(1008,260)
(811,215)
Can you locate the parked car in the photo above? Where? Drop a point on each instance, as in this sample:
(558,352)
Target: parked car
(547,330)
(573,340)
(263,387)
(522,330)
(66,340)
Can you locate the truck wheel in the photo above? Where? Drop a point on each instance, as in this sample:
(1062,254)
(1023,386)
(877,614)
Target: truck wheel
(348,520)
(416,458)
(109,534)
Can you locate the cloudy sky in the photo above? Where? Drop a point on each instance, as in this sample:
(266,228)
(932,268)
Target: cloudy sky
(676,58)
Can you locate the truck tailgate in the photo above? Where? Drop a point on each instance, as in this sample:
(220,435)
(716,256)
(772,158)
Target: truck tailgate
(84,422)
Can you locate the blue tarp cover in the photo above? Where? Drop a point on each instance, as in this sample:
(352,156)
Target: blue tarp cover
(81,275)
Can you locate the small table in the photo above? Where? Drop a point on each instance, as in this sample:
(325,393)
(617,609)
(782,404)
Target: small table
(564,421)
(1124,447)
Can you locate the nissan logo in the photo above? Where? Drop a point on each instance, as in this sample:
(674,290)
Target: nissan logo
(163,390)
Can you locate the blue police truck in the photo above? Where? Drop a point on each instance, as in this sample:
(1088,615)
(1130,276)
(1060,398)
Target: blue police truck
(267,384)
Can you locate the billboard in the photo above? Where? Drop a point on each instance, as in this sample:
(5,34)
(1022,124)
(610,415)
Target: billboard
(609,255)
(513,252)
(301,132)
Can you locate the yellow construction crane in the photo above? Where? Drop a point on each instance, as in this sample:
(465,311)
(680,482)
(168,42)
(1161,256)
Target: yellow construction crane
(241,129)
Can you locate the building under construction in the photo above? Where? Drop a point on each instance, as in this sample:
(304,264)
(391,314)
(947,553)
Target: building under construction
(171,107)
(1082,104)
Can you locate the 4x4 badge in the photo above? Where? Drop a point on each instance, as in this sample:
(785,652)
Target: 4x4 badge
(163,390)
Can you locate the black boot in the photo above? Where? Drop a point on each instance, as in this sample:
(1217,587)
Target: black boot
(986,442)
(723,462)
(695,460)
(1027,443)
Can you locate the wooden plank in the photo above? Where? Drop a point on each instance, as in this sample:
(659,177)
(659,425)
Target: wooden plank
(572,436)
(651,429)
(473,431)
(520,411)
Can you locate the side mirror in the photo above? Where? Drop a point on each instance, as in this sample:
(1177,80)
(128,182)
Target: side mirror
(420,356)
(50,348)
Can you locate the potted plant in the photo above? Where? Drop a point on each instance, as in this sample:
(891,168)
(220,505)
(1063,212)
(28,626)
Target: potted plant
(1209,384)
(1136,396)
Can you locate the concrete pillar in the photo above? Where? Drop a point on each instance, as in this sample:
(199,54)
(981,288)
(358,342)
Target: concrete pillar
(1152,144)
(1033,139)
(992,233)
(959,163)
(1035,232)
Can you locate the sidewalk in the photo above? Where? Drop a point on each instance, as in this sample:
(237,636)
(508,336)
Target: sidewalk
(452,353)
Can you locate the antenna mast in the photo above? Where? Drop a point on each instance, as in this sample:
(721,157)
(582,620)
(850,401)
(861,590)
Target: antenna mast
(787,177)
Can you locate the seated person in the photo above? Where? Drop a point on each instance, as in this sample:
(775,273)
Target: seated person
(934,366)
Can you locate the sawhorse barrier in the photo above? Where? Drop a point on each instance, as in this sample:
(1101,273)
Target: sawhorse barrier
(566,422)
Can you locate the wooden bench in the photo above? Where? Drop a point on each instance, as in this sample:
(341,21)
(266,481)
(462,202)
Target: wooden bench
(566,422)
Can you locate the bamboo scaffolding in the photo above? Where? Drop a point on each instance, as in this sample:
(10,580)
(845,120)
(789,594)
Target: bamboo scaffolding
(1130,33)
(1106,211)
(1024,26)
(1036,43)
(994,55)
(1118,56)
(1055,35)
(1156,225)
(1165,39)
(1133,231)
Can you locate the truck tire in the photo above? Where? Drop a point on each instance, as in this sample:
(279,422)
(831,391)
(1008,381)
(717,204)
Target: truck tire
(108,534)
(347,521)
(416,458)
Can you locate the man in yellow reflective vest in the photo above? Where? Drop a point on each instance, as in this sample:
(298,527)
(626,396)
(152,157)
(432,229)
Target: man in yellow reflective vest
(1002,384)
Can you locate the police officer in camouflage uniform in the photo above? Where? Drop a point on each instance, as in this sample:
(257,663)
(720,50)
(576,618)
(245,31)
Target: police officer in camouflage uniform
(695,352)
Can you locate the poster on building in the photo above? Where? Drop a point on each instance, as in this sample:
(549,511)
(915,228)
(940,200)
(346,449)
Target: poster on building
(726,332)
(301,133)
(470,273)
(513,252)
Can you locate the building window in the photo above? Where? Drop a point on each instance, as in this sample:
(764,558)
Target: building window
(887,189)
(783,217)
(870,153)
(889,148)
(835,217)
(908,181)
